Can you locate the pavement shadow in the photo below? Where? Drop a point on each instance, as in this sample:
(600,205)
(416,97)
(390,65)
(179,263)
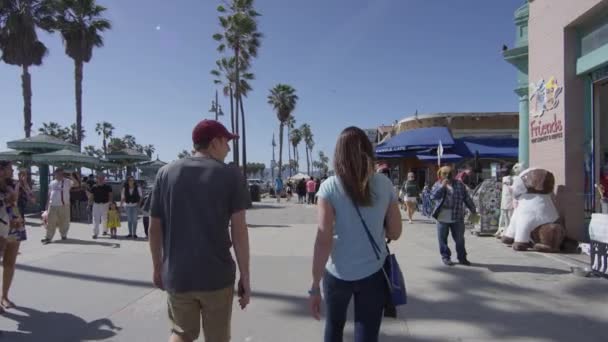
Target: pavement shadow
(499,268)
(502,310)
(33,224)
(268,226)
(88,277)
(266,206)
(36,326)
(86,243)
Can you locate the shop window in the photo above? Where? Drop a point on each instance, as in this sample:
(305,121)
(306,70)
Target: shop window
(594,39)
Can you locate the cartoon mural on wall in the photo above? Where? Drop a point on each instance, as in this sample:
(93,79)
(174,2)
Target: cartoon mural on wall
(544,96)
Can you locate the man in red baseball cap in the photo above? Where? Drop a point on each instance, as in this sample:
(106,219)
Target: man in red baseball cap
(194,202)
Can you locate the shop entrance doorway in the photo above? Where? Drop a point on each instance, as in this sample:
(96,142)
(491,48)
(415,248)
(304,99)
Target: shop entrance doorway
(599,167)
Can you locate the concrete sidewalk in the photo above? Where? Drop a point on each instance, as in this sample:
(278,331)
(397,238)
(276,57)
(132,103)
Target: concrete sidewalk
(100,290)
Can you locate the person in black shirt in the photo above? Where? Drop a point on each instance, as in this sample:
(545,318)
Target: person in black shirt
(102,195)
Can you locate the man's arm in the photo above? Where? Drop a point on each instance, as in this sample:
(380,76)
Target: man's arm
(437,191)
(240,241)
(468,201)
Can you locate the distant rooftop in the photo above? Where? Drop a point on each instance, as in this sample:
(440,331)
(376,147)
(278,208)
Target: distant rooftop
(453,115)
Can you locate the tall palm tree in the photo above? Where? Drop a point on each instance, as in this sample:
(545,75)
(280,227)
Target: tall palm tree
(149,150)
(324,161)
(81,24)
(307,136)
(295,138)
(310,144)
(290,123)
(240,34)
(19,42)
(106,130)
(225,76)
(283,99)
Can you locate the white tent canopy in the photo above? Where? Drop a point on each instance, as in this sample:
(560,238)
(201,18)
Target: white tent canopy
(300,176)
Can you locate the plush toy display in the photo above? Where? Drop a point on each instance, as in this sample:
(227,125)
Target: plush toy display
(535,212)
(507,202)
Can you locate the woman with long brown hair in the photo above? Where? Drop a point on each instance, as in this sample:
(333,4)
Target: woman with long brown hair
(355,206)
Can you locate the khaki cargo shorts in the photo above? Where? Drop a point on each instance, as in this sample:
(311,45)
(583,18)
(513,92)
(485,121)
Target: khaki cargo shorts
(213,308)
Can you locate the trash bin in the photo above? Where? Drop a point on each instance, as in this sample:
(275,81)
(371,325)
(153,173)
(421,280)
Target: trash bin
(255,193)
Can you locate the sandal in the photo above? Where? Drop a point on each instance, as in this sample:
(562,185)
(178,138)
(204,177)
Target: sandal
(7,304)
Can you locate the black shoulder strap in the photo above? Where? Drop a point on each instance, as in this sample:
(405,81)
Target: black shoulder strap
(369,234)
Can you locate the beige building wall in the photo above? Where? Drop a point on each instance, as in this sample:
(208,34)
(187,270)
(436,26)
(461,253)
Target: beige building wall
(553,49)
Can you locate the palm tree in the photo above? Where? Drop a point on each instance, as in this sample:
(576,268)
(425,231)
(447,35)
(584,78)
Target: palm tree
(19,42)
(295,138)
(308,141)
(283,99)
(310,144)
(240,34)
(93,151)
(290,123)
(225,76)
(54,129)
(183,154)
(73,131)
(81,24)
(324,162)
(116,144)
(105,129)
(130,141)
(149,150)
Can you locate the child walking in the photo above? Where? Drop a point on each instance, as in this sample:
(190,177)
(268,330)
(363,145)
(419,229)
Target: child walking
(113,222)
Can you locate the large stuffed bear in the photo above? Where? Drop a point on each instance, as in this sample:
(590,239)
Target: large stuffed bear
(533,221)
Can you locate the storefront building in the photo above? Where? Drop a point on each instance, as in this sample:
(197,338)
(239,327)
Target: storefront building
(566,117)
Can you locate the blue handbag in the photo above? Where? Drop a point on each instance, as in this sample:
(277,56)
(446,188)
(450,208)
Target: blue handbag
(392,273)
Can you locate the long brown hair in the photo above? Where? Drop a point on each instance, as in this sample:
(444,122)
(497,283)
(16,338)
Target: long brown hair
(354,164)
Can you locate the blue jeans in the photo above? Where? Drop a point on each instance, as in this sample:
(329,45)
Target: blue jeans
(457,229)
(370,295)
(132,219)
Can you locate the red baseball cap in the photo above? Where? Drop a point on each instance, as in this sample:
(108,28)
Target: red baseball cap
(208,130)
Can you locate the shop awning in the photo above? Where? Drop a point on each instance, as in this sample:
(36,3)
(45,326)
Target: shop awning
(446,158)
(416,139)
(502,147)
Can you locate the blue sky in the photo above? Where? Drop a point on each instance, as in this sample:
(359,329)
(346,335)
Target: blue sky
(353,62)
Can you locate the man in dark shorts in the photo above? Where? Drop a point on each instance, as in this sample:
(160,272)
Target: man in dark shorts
(102,196)
(194,201)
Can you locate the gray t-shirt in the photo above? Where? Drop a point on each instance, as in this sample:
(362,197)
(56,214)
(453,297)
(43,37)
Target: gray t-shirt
(195,197)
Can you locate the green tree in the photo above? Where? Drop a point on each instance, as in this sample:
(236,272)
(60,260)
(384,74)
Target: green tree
(290,123)
(93,151)
(80,23)
(324,162)
(283,99)
(239,34)
(309,143)
(296,138)
(73,134)
(116,144)
(19,42)
(55,130)
(183,154)
(130,141)
(106,130)
(149,150)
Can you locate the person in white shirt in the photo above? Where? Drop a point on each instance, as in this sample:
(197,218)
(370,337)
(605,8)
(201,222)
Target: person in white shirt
(58,206)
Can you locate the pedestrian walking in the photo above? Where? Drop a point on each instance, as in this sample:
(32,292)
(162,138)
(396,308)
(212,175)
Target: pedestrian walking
(450,197)
(197,213)
(278,188)
(12,231)
(145,211)
(101,194)
(113,221)
(343,254)
(311,188)
(131,198)
(410,193)
(58,206)
(301,190)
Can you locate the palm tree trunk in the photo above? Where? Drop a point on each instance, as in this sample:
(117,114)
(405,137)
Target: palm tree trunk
(281,150)
(307,162)
(105,145)
(244,137)
(237,95)
(234,141)
(289,150)
(78,66)
(295,156)
(26,84)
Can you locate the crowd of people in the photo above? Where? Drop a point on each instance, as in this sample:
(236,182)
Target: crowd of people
(357,210)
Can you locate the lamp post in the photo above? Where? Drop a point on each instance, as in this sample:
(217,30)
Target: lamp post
(216,108)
